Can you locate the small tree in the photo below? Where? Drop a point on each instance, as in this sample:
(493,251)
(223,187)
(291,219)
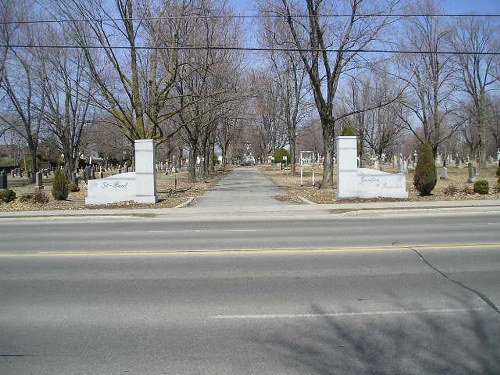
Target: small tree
(60,189)
(425,178)
(279,154)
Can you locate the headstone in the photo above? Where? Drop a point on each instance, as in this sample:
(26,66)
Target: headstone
(376,165)
(471,173)
(439,159)
(38,180)
(444,173)
(74,178)
(3,180)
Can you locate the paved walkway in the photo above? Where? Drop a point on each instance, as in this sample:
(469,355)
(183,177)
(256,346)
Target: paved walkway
(243,190)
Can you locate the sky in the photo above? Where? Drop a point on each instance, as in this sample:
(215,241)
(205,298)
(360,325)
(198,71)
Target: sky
(450,6)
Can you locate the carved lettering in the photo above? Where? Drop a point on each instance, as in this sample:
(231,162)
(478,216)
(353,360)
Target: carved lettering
(114,185)
(369,179)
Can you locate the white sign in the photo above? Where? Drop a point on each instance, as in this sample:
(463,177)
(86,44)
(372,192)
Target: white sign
(117,188)
(139,186)
(354,182)
(306,158)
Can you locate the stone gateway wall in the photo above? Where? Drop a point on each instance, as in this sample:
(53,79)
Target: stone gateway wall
(138,186)
(354,182)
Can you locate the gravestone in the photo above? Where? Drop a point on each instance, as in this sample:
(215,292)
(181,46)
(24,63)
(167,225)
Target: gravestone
(444,173)
(74,178)
(471,173)
(3,180)
(39,180)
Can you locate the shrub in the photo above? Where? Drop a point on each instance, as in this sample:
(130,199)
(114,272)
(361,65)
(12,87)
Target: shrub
(481,187)
(450,190)
(7,195)
(425,177)
(467,190)
(73,187)
(278,155)
(348,131)
(60,190)
(498,172)
(38,196)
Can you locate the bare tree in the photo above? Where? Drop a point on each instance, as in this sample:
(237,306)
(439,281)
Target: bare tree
(329,47)
(378,128)
(270,127)
(68,89)
(429,75)
(24,102)
(478,73)
(205,87)
(290,76)
(136,82)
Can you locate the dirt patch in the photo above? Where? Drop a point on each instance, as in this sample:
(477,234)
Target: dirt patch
(170,194)
(456,183)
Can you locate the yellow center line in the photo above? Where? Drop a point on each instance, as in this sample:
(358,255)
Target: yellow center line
(270,251)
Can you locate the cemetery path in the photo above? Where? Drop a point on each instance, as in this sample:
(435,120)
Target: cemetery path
(243,190)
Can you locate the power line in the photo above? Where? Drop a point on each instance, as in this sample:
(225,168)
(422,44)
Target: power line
(254,49)
(249,16)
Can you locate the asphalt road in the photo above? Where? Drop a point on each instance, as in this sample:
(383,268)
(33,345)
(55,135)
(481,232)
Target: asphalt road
(332,312)
(278,291)
(146,234)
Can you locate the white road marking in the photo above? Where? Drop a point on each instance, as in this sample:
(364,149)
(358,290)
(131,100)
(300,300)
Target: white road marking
(345,314)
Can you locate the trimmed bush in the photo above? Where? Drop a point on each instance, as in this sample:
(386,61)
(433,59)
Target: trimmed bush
(60,190)
(425,177)
(278,155)
(73,187)
(481,187)
(348,131)
(7,195)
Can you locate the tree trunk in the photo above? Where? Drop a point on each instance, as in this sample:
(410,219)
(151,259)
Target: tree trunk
(293,150)
(193,153)
(328,150)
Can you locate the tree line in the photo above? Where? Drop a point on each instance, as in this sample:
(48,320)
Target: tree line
(97,75)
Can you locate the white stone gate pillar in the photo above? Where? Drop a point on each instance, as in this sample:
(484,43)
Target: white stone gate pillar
(145,174)
(347,167)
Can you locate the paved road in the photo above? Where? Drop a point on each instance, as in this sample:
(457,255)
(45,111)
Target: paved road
(320,292)
(261,313)
(153,234)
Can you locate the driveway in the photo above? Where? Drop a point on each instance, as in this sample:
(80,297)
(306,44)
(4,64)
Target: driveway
(243,190)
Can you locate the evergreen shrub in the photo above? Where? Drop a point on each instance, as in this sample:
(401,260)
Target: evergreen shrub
(425,177)
(278,155)
(60,190)
(7,195)
(481,187)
